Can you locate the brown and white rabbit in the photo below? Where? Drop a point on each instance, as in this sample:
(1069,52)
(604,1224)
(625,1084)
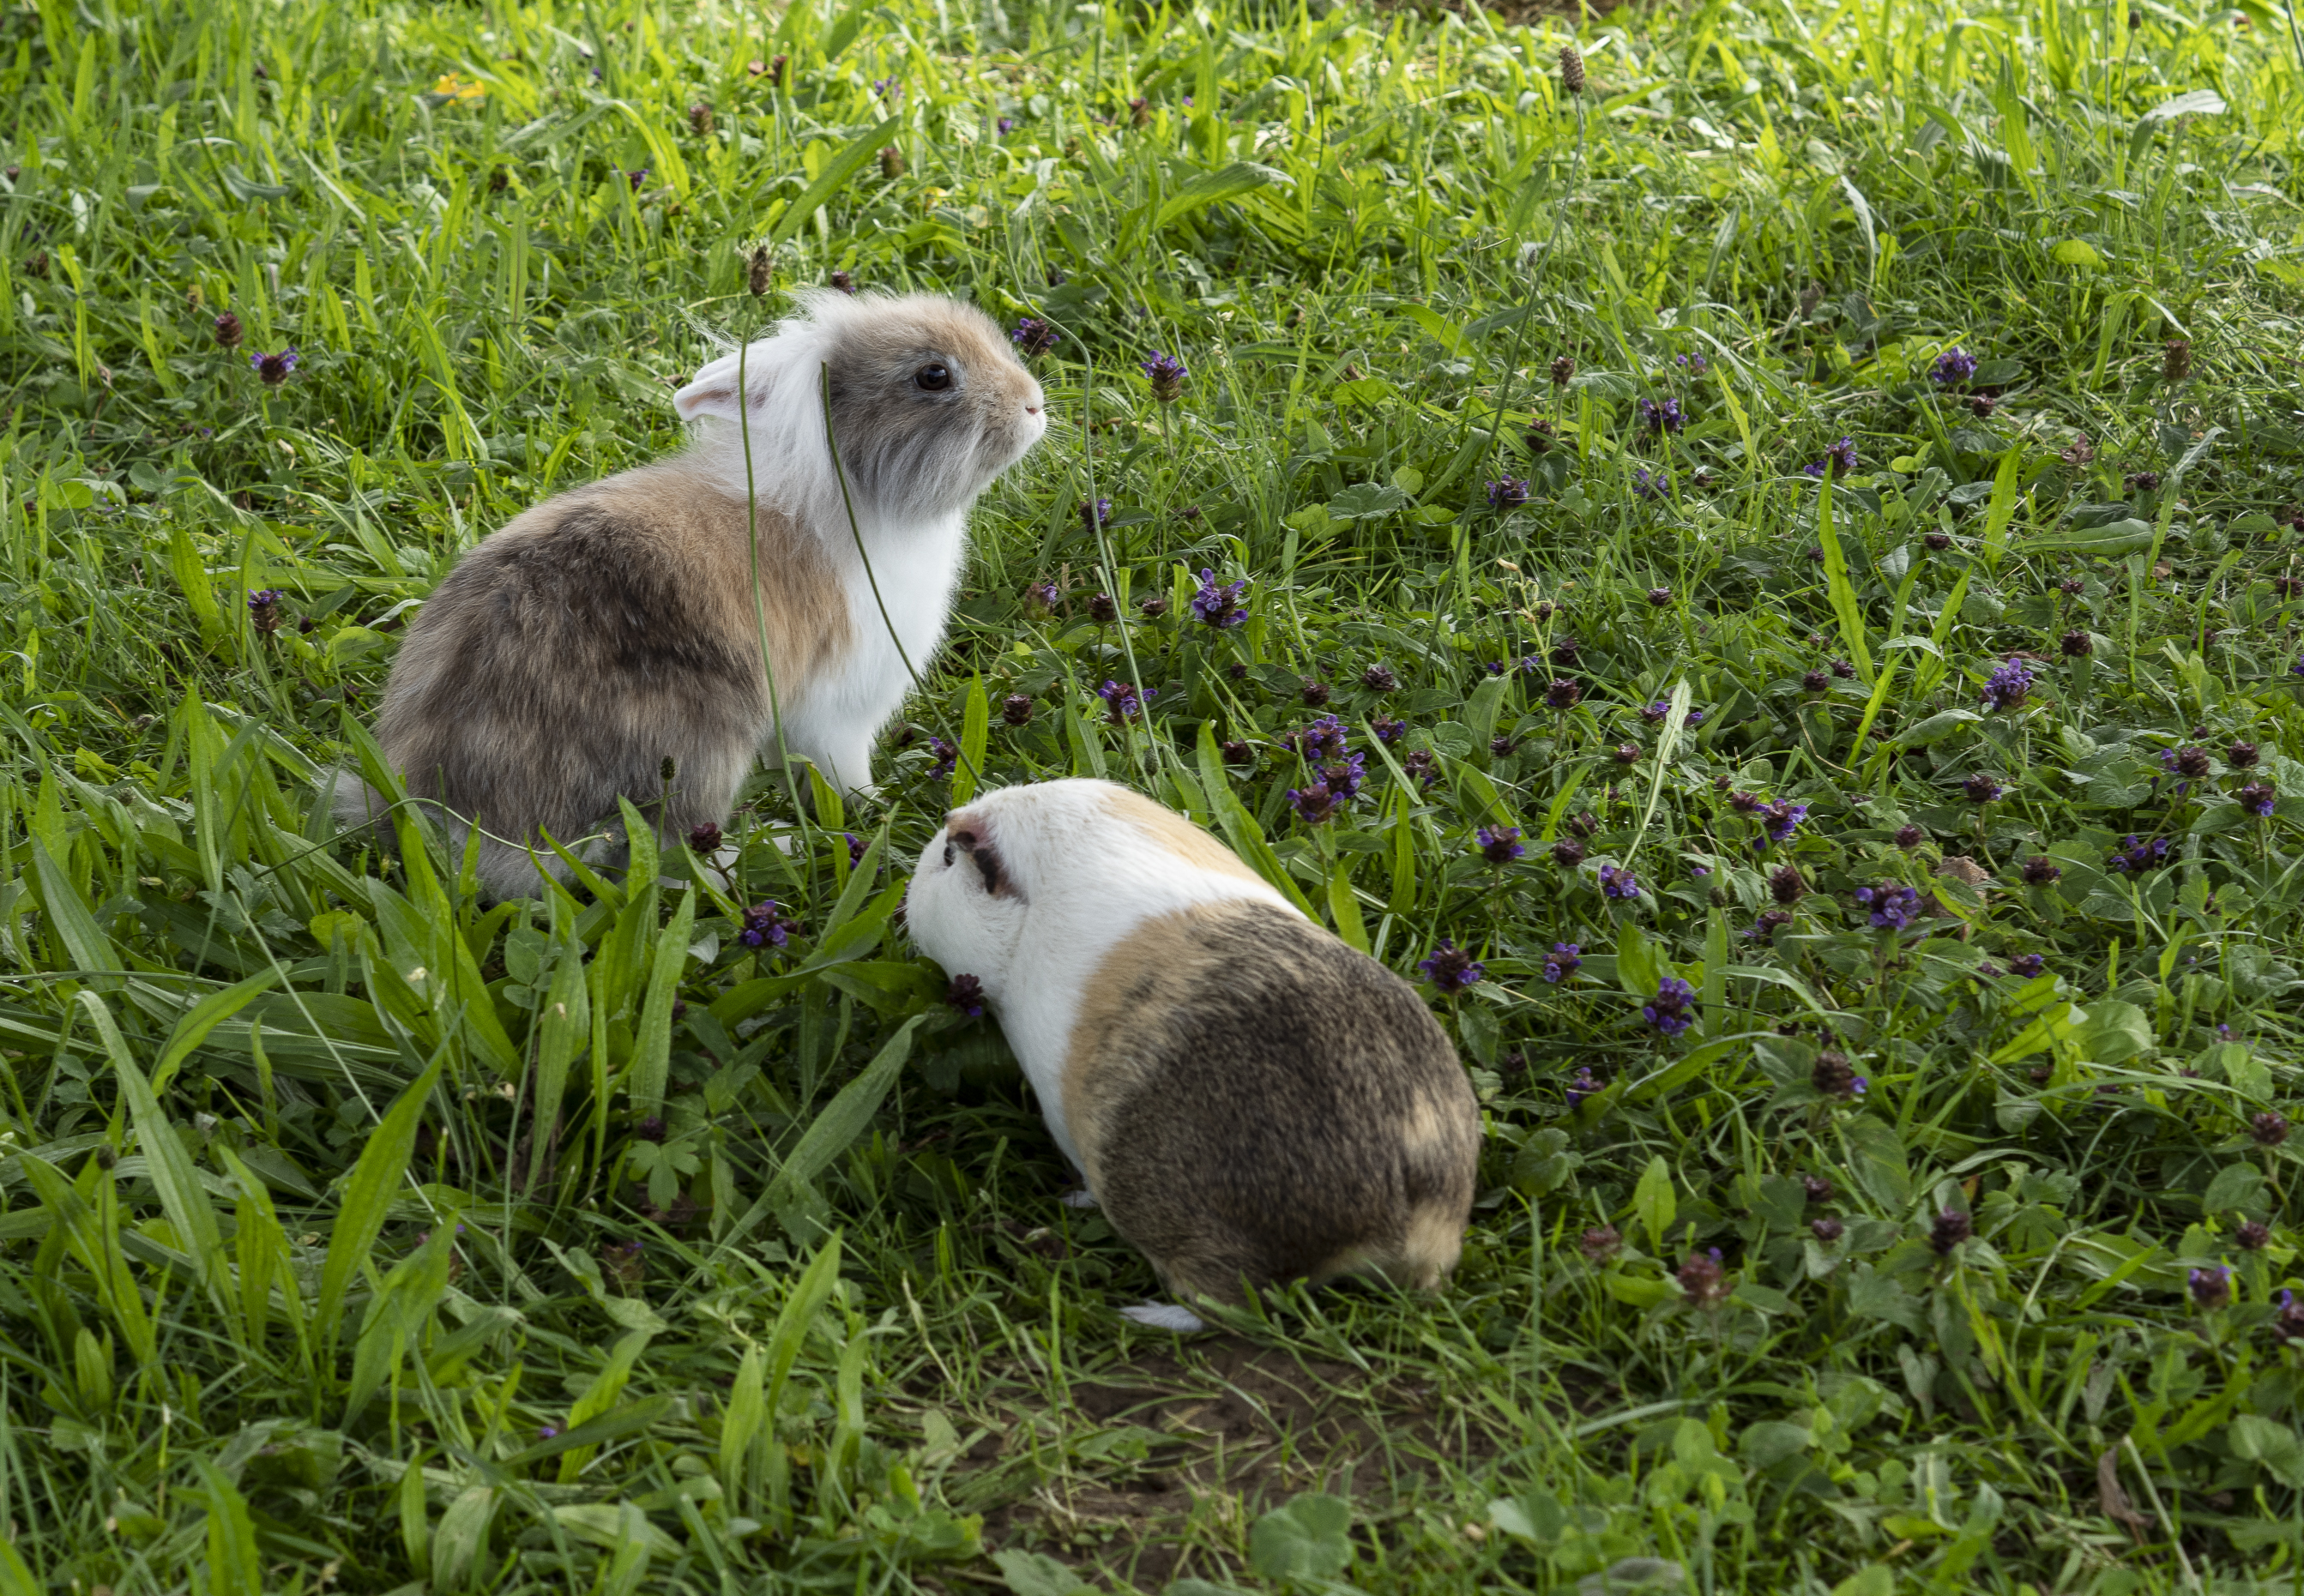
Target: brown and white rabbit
(1249,1100)
(567,656)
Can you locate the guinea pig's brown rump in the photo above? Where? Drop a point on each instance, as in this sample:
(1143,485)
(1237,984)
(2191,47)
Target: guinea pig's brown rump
(566,656)
(1254,1101)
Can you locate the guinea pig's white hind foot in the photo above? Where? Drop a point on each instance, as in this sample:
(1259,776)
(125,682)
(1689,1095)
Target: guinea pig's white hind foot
(1082,1198)
(1165,1316)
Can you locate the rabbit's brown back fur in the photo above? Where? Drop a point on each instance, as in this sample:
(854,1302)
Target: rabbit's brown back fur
(565,657)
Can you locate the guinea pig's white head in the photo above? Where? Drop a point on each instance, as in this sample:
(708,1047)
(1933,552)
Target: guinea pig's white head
(928,401)
(1077,860)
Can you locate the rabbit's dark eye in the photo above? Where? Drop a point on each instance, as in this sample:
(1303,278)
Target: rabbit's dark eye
(934,376)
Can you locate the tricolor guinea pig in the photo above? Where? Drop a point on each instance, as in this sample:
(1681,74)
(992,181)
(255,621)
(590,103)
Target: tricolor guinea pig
(1248,1100)
(567,656)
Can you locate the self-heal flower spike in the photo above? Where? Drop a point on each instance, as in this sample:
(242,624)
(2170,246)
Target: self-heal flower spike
(1674,1010)
(1167,374)
(766,926)
(1094,513)
(1953,368)
(1219,606)
(965,995)
(1123,700)
(1563,693)
(2188,762)
(946,755)
(1451,969)
(274,368)
(1500,845)
(2211,1288)
(1567,958)
(1952,1227)
(2040,871)
(2257,798)
(1617,885)
(1649,487)
(264,610)
(1703,1281)
(1890,907)
(1783,820)
(2009,685)
(2026,965)
(1507,493)
(1982,789)
(1584,1083)
(1034,336)
(228,330)
(2136,855)
(1834,1077)
(1662,417)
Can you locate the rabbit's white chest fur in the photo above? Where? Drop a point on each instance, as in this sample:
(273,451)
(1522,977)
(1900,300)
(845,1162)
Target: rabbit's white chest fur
(836,714)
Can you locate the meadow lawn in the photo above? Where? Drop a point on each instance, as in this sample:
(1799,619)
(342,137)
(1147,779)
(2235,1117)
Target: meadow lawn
(1800,541)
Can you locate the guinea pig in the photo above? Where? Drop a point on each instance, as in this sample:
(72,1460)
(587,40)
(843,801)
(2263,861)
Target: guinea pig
(1248,1100)
(608,629)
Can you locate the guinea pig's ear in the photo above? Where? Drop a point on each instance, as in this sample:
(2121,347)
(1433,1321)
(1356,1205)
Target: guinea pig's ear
(968,834)
(712,391)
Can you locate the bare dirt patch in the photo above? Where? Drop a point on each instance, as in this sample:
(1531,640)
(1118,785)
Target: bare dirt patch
(1158,1464)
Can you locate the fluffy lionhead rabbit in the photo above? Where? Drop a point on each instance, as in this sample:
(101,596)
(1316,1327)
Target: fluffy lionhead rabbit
(1249,1100)
(568,655)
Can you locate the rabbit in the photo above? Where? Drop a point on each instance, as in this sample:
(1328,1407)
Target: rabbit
(606,642)
(1248,1099)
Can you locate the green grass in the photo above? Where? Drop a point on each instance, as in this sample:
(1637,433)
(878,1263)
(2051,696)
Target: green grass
(356,1236)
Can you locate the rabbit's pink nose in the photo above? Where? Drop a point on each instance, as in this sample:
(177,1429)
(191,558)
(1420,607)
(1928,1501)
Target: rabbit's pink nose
(1032,410)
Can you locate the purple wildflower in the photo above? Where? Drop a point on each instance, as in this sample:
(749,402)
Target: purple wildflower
(1167,374)
(1672,1010)
(1123,702)
(1892,908)
(1389,728)
(2026,965)
(2211,1288)
(1500,845)
(1982,789)
(766,926)
(1219,606)
(965,995)
(1507,493)
(1451,969)
(946,755)
(1953,366)
(1005,124)
(1782,819)
(1584,1083)
(1952,1227)
(277,368)
(1663,418)
(1094,513)
(1834,1077)
(2136,855)
(2009,685)
(1034,336)
(1565,692)
(1646,486)
(1703,1281)
(1616,885)
(1567,958)
(2257,798)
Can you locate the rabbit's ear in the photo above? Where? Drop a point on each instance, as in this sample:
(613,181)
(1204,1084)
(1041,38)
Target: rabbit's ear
(712,391)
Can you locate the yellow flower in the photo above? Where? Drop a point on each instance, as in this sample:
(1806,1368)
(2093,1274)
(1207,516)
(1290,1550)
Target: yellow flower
(460,90)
